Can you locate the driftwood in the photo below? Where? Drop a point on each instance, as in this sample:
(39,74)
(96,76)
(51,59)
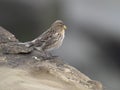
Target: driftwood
(23,68)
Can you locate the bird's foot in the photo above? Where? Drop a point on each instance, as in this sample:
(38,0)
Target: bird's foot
(48,55)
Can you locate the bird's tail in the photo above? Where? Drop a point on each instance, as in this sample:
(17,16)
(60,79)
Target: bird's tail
(27,44)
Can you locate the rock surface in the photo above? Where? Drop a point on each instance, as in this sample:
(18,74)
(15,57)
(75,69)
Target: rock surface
(23,68)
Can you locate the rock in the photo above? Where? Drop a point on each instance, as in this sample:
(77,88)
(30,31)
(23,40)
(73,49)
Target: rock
(23,68)
(10,45)
(6,36)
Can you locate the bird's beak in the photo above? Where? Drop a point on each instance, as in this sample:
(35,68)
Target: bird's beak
(64,27)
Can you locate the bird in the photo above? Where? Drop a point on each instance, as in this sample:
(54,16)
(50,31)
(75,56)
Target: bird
(51,39)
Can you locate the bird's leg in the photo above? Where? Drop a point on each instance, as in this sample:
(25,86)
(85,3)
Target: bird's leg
(48,55)
(44,54)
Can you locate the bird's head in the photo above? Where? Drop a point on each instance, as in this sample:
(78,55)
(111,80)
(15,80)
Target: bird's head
(58,25)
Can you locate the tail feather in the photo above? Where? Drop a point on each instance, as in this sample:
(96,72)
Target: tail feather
(27,44)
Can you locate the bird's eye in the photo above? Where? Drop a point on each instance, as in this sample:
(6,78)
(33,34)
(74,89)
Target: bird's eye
(60,24)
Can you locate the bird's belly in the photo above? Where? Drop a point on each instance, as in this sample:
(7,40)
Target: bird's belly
(57,44)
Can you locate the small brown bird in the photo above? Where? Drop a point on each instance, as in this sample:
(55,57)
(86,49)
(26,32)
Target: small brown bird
(50,39)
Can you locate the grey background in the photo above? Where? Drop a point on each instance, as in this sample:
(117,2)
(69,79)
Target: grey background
(92,42)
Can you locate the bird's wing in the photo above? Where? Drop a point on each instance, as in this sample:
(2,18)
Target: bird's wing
(45,37)
(51,42)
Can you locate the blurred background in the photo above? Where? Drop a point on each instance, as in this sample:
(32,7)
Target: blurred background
(92,42)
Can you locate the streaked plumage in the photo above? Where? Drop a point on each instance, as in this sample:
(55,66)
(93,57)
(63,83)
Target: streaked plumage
(50,39)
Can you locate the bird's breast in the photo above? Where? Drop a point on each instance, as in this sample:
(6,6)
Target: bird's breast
(60,41)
